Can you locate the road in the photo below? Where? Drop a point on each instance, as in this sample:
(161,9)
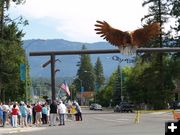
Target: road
(108,123)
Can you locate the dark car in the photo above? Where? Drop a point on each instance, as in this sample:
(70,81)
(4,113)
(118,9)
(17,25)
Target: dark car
(175,105)
(124,107)
(95,106)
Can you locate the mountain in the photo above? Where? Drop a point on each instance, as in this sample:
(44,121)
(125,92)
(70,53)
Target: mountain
(68,63)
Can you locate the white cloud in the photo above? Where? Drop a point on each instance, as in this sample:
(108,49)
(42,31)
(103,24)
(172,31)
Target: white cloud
(76,18)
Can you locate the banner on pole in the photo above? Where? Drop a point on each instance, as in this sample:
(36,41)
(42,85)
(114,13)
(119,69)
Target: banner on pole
(22,72)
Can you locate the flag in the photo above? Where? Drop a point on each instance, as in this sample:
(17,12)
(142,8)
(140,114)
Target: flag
(65,87)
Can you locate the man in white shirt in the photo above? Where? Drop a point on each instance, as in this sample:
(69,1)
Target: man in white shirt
(62,112)
(5,108)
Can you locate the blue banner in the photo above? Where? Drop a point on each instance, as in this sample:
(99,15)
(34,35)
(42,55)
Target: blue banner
(82,89)
(22,72)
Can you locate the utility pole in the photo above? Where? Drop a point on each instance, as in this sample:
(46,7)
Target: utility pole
(53,77)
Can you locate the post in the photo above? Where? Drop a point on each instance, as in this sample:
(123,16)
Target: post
(121,82)
(26,82)
(53,77)
(27,59)
(81,90)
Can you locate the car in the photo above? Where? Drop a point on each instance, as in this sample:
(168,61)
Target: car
(95,106)
(124,107)
(91,107)
(175,105)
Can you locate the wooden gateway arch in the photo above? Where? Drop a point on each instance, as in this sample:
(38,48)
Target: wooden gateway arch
(52,55)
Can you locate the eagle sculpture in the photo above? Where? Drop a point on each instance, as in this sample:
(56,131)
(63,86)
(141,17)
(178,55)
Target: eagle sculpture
(124,39)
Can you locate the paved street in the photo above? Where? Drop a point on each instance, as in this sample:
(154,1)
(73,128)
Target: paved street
(105,123)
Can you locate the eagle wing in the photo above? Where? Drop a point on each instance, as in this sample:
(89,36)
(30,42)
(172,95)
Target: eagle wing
(114,36)
(144,35)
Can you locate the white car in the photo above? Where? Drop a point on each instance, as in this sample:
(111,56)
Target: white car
(95,106)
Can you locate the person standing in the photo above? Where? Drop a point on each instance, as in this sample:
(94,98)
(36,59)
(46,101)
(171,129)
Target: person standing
(38,110)
(14,113)
(44,114)
(5,108)
(62,112)
(29,117)
(33,114)
(78,112)
(69,110)
(1,114)
(53,113)
(23,110)
(48,112)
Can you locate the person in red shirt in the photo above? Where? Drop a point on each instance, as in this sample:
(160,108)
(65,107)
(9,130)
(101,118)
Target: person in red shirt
(14,114)
(38,110)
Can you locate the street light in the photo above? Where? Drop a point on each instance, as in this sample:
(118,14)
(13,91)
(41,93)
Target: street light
(94,86)
(81,88)
(120,60)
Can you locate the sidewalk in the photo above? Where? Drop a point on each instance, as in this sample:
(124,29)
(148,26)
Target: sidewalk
(9,130)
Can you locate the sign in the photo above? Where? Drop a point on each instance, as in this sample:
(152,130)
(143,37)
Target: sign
(22,72)
(82,89)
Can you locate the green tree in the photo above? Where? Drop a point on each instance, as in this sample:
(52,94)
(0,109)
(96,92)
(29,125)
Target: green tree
(175,12)
(111,93)
(175,66)
(142,87)
(117,88)
(11,55)
(4,5)
(85,73)
(99,75)
(105,95)
(11,86)
(158,12)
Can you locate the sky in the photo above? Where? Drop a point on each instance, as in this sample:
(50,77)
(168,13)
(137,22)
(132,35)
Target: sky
(74,20)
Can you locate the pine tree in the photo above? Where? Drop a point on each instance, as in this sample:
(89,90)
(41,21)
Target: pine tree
(158,12)
(85,73)
(117,88)
(175,66)
(99,75)
(11,55)
(4,5)
(175,12)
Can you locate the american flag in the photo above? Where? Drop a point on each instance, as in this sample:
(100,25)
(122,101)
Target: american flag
(65,87)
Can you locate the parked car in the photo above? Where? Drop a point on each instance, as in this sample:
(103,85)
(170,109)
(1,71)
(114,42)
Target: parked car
(175,105)
(124,107)
(95,106)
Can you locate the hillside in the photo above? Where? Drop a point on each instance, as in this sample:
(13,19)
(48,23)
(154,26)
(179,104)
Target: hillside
(68,64)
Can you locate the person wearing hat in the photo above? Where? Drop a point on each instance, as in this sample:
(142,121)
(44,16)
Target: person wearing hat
(62,112)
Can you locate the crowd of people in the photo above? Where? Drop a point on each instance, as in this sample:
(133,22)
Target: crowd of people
(23,115)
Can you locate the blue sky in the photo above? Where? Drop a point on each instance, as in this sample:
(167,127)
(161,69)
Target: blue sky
(74,20)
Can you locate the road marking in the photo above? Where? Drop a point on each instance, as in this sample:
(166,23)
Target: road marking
(123,119)
(116,120)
